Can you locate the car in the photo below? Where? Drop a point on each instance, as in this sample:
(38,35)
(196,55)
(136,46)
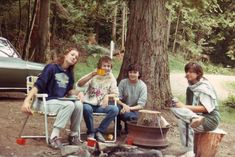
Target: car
(13,69)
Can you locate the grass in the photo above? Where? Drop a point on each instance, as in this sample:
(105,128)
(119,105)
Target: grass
(231,86)
(176,63)
(227,114)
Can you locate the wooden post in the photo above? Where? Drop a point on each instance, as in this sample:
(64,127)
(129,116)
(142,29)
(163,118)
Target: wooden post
(206,143)
(149,118)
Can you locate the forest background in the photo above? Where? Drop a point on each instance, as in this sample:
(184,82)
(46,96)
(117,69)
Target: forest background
(202,30)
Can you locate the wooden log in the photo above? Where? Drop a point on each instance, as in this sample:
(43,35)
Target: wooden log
(149,118)
(206,144)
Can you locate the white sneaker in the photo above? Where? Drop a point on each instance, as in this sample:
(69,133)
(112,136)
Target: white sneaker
(188,154)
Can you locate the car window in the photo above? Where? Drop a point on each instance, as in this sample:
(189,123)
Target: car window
(7,50)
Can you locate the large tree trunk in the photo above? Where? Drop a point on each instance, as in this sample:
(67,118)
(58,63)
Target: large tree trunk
(146,46)
(42,48)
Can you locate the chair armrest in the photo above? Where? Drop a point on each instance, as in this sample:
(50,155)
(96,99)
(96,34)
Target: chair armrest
(42,95)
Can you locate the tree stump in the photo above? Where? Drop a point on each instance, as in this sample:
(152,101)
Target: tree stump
(149,118)
(206,143)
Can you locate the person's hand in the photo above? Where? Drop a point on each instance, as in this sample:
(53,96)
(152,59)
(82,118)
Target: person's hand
(80,96)
(125,108)
(179,104)
(26,107)
(104,103)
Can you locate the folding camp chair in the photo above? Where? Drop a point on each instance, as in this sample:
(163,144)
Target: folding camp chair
(30,80)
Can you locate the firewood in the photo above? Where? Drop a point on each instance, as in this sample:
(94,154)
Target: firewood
(149,118)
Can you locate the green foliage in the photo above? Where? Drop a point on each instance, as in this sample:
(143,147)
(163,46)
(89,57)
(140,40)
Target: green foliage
(216,69)
(228,109)
(96,50)
(227,115)
(205,26)
(176,63)
(230,101)
(230,86)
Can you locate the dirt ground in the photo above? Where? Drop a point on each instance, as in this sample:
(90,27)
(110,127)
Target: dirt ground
(11,120)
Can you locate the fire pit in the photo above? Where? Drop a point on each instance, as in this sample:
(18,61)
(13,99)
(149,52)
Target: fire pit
(147,135)
(148,130)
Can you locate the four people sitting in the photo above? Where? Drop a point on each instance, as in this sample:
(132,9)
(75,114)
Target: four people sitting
(201,111)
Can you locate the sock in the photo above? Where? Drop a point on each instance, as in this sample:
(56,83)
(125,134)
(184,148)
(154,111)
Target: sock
(55,132)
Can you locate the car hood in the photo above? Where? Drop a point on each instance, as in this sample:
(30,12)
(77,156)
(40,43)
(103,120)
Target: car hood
(6,62)
(33,65)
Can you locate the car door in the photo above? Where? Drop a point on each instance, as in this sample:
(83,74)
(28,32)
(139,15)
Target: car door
(13,73)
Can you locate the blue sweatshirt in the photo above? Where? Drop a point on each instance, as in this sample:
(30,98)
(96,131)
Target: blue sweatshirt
(54,81)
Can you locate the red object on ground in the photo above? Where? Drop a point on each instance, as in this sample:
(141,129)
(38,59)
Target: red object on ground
(20,141)
(129,141)
(91,142)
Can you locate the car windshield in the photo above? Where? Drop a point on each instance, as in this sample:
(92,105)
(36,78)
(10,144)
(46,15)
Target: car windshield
(7,49)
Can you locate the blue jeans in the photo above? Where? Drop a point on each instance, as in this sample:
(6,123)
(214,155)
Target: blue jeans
(127,116)
(88,110)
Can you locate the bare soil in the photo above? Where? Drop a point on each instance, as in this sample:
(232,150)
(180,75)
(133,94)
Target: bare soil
(11,120)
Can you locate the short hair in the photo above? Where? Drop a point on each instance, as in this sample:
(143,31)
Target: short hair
(134,67)
(195,67)
(104,59)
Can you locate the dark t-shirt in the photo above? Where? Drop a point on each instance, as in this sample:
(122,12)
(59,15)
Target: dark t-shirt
(54,81)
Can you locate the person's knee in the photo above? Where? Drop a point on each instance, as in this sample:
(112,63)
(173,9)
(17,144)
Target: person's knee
(70,105)
(78,105)
(129,117)
(87,108)
(114,110)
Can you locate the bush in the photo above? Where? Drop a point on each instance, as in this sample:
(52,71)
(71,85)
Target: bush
(230,101)
(96,50)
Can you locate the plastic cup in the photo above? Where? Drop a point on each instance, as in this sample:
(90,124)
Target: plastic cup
(20,141)
(101,72)
(129,141)
(91,142)
(110,137)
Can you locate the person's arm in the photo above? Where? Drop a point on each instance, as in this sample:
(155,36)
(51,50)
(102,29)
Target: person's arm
(86,78)
(26,107)
(127,108)
(196,109)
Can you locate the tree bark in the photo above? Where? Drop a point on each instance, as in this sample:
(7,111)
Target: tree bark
(25,54)
(42,48)
(168,28)
(123,25)
(146,46)
(176,31)
(114,28)
(19,27)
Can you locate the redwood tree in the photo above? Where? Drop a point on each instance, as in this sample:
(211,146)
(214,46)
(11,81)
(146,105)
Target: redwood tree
(40,39)
(146,46)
